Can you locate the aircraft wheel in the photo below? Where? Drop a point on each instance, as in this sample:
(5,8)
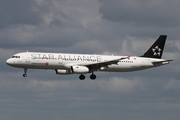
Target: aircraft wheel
(24,75)
(82,77)
(93,77)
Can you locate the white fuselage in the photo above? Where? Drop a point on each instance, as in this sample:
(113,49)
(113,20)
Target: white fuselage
(37,60)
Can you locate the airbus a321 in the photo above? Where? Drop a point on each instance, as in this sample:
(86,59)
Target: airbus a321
(65,64)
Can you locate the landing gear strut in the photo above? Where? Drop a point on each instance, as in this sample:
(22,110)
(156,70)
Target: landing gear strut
(25,71)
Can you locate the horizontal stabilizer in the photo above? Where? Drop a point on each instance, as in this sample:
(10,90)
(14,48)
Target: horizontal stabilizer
(162,62)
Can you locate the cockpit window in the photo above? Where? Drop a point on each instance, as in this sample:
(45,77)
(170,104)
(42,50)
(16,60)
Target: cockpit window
(15,56)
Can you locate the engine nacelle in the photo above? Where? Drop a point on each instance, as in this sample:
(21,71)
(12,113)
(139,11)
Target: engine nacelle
(79,69)
(63,72)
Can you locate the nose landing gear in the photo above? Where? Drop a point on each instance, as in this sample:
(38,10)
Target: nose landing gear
(25,71)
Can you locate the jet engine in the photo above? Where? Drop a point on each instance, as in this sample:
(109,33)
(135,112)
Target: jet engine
(63,72)
(79,69)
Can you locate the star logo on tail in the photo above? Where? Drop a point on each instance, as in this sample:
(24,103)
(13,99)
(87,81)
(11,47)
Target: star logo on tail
(156,51)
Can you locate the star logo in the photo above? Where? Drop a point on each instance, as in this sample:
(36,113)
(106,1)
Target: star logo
(156,51)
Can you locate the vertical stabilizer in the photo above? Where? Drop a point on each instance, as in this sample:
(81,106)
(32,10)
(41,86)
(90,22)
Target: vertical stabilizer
(156,50)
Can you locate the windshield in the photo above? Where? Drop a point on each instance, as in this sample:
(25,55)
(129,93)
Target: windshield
(15,56)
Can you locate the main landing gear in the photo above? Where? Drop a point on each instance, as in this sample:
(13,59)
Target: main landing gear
(92,77)
(25,71)
(82,77)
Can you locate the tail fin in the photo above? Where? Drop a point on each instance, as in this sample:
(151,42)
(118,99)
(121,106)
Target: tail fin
(156,50)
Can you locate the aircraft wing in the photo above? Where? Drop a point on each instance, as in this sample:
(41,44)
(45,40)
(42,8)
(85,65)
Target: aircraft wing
(98,65)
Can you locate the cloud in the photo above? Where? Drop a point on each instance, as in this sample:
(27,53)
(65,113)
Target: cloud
(121,85)
(18,12)
(141,12)
(135,15)
(172,84)
(95,27)
(169,106)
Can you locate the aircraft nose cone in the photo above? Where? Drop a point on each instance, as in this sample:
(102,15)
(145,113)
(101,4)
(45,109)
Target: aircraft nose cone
(9,62)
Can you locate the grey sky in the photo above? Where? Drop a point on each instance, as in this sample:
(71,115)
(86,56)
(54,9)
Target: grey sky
(97,27)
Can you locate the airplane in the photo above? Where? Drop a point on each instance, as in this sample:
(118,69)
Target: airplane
(65,64)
